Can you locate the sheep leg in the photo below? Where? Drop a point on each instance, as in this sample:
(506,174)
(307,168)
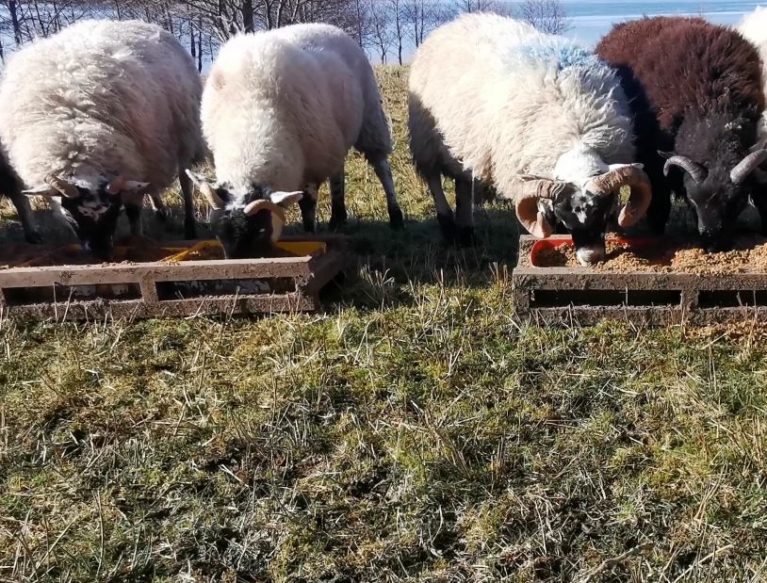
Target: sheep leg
(337,201)
(464,211)
(659,211)
(444,212)
(308,206)
(187,189)
(383,171)
(158,206)
(24,210)
(133,211)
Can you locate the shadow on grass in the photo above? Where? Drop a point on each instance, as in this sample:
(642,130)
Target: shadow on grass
(385,264)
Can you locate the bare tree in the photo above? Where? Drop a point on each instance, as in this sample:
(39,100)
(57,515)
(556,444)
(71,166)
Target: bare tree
(381,32)
(384,27)
(421,16)
(397,26)
(545,15)
(497,6)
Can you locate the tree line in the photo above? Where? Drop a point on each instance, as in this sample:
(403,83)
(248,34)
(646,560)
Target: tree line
(385,28)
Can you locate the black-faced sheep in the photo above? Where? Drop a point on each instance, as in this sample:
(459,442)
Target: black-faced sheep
(280,111)
(537,117)
(696,91)
(99,115)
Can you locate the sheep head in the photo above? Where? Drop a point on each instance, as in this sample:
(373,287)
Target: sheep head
(717,166)
(91,208)
(245,225)
(584,211)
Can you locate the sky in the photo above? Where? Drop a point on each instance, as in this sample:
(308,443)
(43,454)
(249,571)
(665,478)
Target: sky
(591,19)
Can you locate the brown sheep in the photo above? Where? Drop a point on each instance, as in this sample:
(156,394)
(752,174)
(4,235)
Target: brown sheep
(696,93)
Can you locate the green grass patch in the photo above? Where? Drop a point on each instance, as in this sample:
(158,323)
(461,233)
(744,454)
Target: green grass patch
(413,431)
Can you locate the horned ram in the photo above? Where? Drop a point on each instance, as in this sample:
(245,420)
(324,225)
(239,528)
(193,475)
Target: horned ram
(697,97)
(532,114)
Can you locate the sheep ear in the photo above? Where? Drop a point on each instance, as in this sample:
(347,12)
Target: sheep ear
(136,186)
(213,198)
(120,184)
(285,199)
(42,190)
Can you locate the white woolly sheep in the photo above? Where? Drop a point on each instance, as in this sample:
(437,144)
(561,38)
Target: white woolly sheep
(754,28)
(532,114)
(99,115)
(280,111)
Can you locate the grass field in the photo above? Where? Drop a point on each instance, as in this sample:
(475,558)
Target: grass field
(413,431)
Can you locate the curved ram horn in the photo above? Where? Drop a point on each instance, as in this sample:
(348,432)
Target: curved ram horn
(263,204)
(695,170)
(527,204)
(747,165)
(215,201)
(65,188)
(635,178)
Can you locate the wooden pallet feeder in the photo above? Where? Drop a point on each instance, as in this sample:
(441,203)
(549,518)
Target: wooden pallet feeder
(181,280)
(585,295)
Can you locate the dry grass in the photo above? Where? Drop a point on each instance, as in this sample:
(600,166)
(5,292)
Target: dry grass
(412,432)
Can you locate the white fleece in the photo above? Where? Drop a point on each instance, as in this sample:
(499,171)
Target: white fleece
(754,28)
(98,99)
(492,96)
(282,108)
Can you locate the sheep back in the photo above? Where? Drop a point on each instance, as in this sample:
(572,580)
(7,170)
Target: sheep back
(101,97)
(504,99)
(678,66)
(282,108)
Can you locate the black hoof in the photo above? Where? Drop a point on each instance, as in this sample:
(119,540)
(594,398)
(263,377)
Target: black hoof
(396,219)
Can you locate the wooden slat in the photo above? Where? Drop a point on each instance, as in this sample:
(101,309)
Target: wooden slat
(309,274)
(134,309)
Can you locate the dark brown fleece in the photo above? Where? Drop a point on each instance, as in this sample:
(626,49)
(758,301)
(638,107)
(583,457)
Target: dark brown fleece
(687,65)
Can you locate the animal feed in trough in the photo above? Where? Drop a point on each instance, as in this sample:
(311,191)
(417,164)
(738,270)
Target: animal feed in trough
(654,281)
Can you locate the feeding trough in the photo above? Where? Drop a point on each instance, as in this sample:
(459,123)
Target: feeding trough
(662,281)
(166,280)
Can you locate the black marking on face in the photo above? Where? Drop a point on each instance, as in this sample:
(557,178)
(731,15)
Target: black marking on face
(717,203)
(717,144)
(242,236)
(93,216)
(586,216)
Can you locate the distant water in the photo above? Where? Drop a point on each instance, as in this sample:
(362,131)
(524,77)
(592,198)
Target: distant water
(591,19)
